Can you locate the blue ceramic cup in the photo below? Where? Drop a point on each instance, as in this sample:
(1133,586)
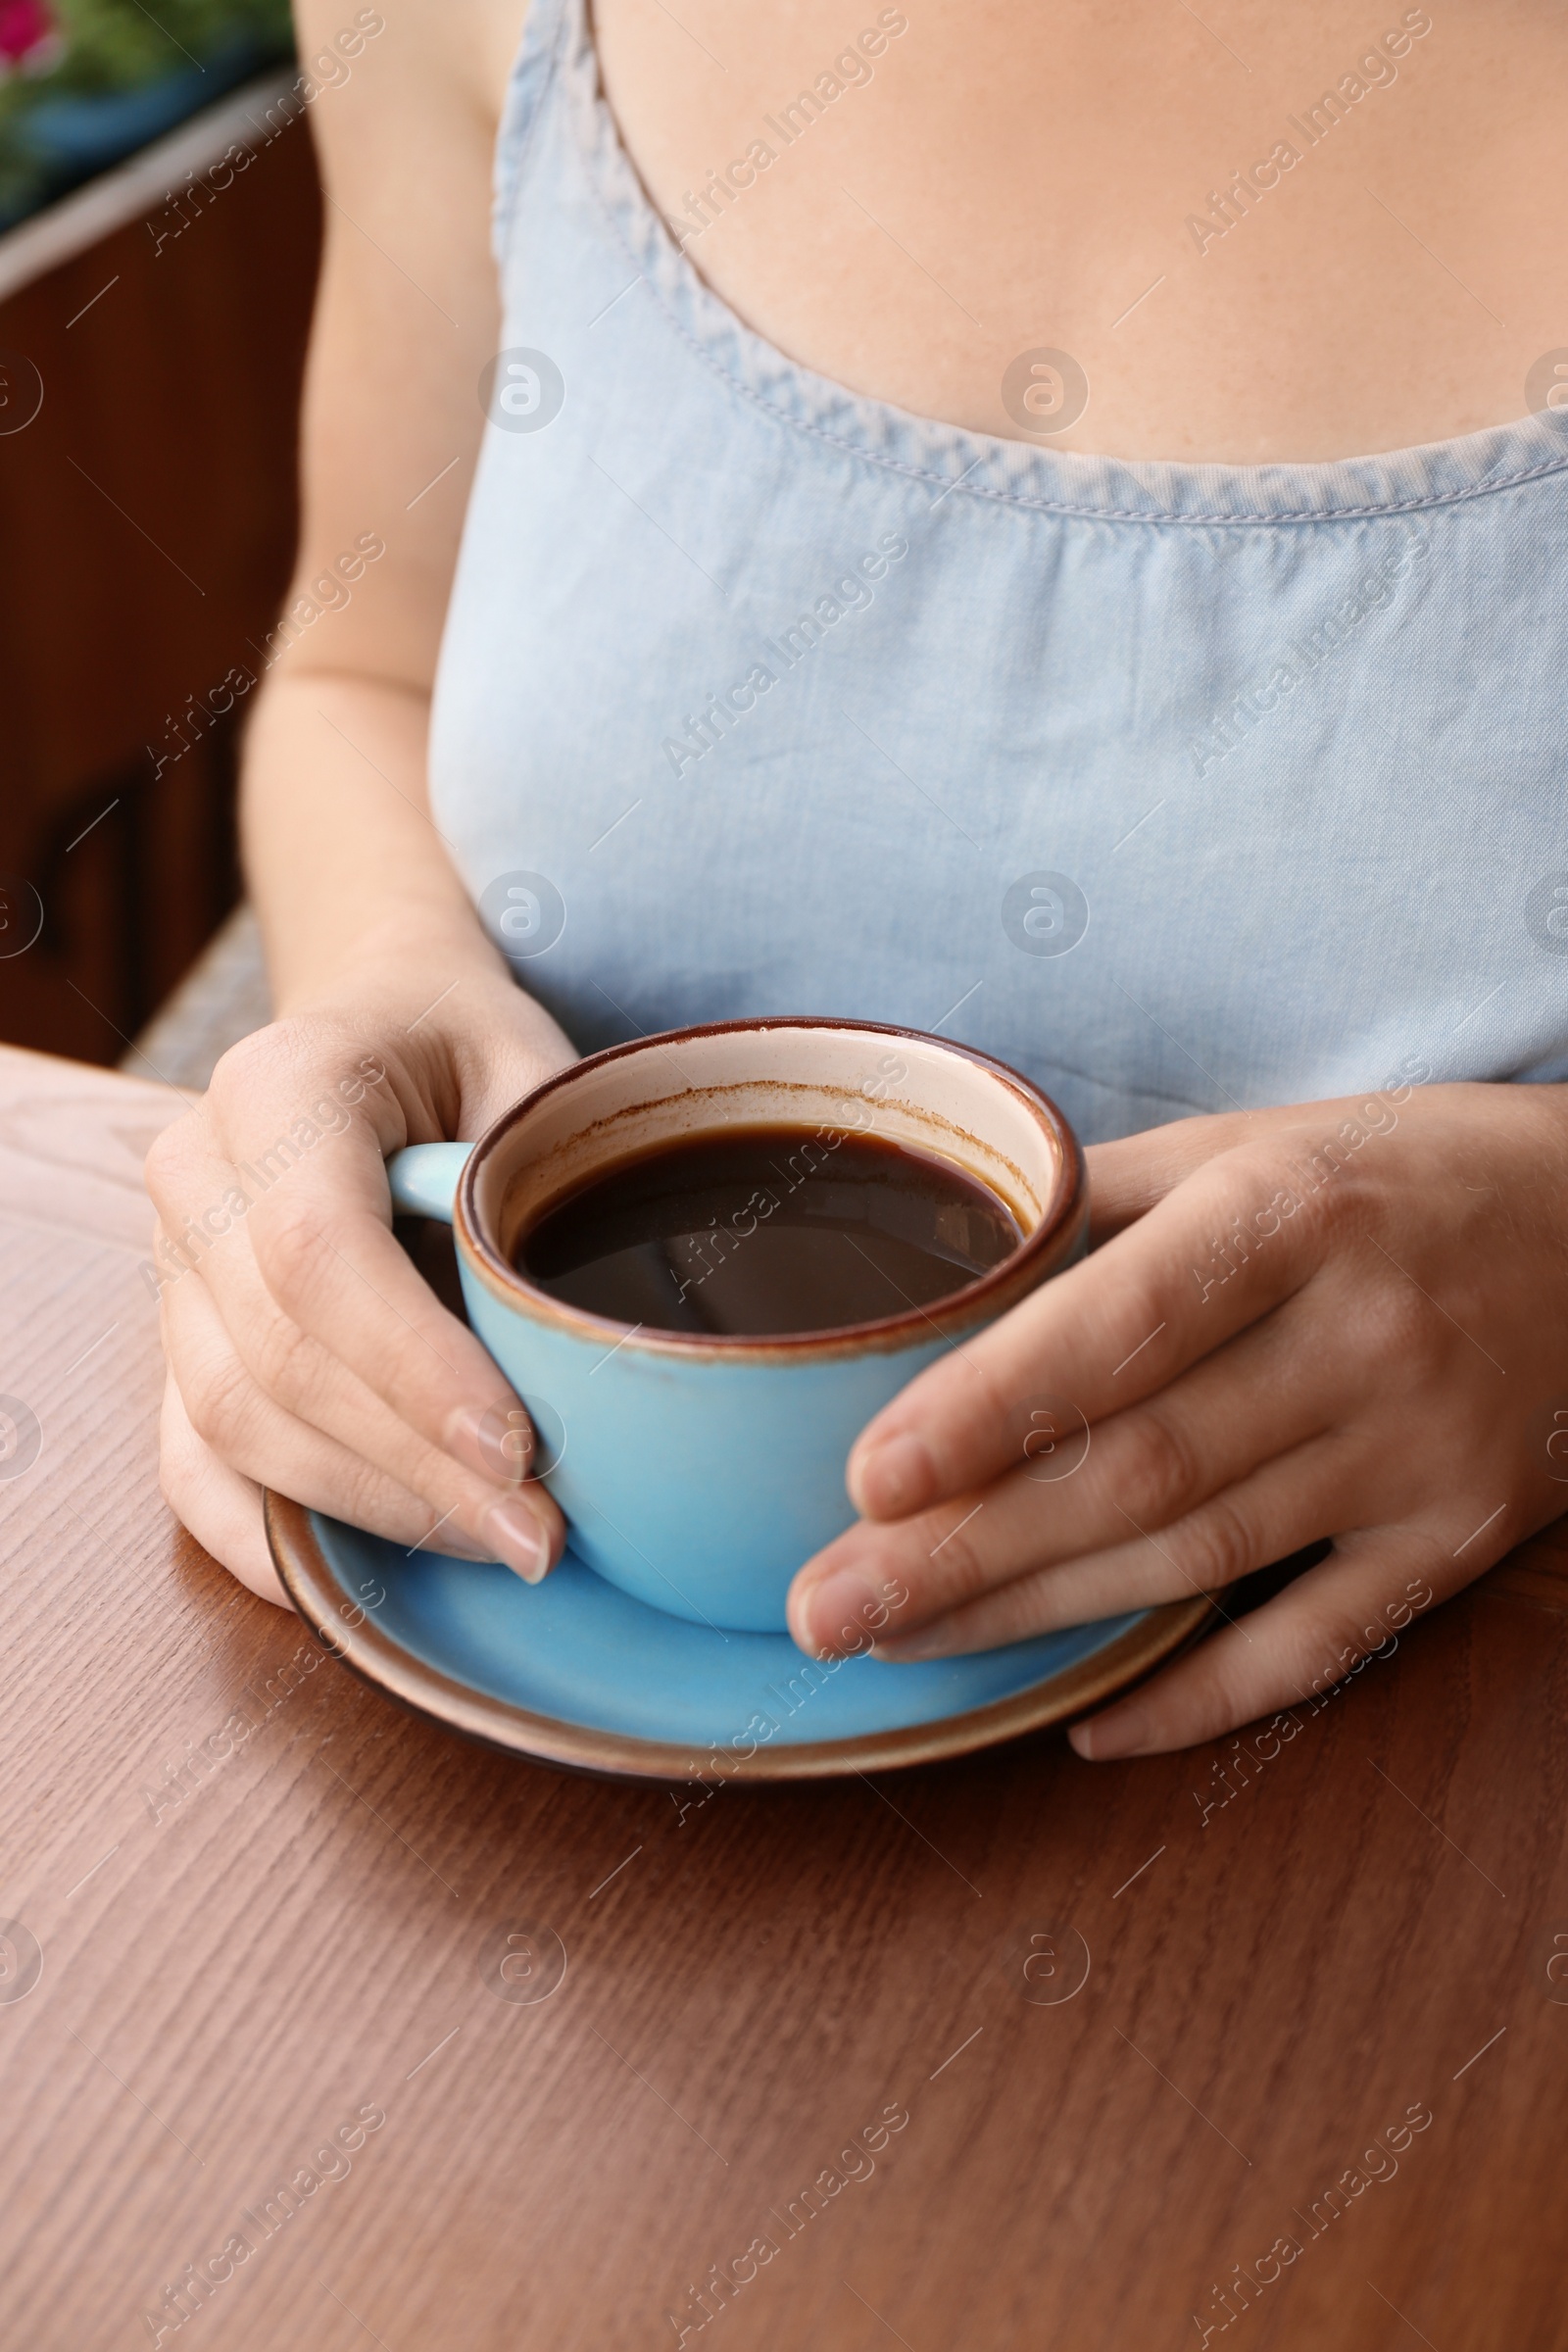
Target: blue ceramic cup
(699,1471)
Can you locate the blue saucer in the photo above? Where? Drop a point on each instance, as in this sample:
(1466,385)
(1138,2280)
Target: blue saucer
(576,1672)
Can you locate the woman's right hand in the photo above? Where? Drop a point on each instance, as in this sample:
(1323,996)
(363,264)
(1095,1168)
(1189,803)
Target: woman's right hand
(304,1352)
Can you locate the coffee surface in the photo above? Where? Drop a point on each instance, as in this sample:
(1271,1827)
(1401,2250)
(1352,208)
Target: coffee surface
(758,1230)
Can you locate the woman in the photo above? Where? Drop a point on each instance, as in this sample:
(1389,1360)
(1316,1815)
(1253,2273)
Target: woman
(1042,524)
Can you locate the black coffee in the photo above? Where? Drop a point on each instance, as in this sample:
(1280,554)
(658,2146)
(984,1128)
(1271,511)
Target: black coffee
(758,1230)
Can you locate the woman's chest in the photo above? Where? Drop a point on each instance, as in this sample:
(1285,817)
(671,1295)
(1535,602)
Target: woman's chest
(1255,237)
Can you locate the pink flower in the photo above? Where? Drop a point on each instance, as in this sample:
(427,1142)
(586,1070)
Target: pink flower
(24,25)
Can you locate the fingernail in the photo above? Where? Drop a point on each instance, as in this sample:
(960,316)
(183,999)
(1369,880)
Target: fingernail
(1108,1737)
(895,1478)
(498,1442)
(838,1612)
(518,1538)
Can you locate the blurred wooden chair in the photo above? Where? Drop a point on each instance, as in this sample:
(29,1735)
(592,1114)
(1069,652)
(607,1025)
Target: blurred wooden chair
(152,335)
(222,998)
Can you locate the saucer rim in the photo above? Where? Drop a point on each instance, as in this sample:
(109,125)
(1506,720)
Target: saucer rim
(370,1653)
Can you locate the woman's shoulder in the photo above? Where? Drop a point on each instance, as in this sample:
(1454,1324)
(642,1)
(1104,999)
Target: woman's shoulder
(405,315)
(463,53)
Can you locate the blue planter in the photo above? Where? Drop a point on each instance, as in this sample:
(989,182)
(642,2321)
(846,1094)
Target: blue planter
(61,142)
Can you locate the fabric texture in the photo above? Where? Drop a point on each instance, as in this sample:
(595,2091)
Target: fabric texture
(1180,788)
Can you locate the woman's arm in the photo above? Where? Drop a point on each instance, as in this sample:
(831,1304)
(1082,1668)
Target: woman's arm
(303,1350)
(338,843)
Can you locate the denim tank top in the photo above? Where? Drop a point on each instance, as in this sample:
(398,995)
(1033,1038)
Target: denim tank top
(1179,787)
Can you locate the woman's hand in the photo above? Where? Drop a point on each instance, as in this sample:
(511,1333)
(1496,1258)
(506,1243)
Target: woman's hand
(303,1350)
(1344,1319)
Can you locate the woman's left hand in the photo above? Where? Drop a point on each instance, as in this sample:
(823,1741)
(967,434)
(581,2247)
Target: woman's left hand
(1344,1319)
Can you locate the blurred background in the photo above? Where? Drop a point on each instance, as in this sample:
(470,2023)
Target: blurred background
(159,225)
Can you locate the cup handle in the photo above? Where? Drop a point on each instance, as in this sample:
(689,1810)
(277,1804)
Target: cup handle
(425,1179)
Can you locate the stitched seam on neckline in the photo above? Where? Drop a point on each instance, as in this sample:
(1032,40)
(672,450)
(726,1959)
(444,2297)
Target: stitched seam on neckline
(633,219)
(543,65)
(1163,518)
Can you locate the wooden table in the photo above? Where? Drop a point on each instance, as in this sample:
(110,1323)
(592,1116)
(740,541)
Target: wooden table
(276,2012)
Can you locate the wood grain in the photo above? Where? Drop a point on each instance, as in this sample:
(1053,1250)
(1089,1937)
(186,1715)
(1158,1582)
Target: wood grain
(253,1934)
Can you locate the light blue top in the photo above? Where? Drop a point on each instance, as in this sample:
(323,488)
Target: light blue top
(1178,787)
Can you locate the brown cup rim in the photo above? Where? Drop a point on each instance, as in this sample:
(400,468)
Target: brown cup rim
(987,1296)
